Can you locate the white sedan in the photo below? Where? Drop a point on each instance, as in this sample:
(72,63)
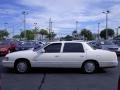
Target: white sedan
(62,54)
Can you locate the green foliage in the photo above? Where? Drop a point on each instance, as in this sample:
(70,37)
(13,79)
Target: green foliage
(110,33)
(51,36)
(68,38)
(87,34)
(16,36)
(3,33)
(29,34)
(35,31)
(43,32)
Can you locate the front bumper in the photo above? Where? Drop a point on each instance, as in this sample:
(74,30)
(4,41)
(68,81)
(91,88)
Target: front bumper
(9,64)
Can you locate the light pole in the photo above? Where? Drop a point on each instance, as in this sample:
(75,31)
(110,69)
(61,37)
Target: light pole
(77,35)
(50,29)
(5,26)
(13,30)
(117,31)
(98,31)
(35,30)
(77,25)
(106,13)
(24,21)
(20,34)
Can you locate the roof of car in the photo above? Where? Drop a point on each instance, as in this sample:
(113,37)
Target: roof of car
(68,42)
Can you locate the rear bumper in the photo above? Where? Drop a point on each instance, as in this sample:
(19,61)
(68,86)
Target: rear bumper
(108,64)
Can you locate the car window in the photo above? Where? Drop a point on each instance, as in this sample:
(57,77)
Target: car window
(53,48)
(73,47)
(109,43)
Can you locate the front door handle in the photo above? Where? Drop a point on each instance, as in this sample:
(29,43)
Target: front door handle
(56,56)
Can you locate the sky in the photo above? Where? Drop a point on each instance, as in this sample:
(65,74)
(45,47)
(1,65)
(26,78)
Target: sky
(64,14)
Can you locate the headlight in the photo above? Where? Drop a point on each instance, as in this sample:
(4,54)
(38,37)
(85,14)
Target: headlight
(6,58)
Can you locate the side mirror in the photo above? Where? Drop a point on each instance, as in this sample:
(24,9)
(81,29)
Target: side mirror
(42,51)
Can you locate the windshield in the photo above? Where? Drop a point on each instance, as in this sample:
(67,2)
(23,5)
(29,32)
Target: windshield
(38,47)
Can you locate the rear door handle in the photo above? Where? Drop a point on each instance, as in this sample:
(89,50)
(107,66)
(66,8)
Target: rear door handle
(81,56)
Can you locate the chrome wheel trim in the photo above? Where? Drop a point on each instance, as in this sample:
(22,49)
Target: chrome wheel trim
(22,67)
(89,67)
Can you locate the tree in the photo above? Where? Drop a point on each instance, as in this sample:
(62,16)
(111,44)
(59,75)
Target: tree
(110,33)
(3,33)
(35,31)
(29,34)
(43,32)
(68,38)
(87,34)
(75,35)
(51,36)
(17,36)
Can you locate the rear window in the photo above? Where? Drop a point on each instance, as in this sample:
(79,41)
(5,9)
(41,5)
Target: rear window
(73,47)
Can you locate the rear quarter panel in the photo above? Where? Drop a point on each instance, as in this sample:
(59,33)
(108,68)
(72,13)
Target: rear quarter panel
(104,58)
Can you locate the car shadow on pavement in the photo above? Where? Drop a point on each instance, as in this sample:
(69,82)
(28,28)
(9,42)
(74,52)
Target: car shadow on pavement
(53,71)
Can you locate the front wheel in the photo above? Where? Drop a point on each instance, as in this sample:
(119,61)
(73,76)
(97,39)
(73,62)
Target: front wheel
(89,67)
(22,67)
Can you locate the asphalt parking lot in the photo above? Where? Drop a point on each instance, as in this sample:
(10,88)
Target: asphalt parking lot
(59,79)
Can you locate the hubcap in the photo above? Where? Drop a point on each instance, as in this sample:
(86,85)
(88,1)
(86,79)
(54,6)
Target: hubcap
(22,67)
(89,67)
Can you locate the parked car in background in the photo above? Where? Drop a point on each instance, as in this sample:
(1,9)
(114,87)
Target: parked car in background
(6,47)
(95,44)
(106,45)
(27,45)
(109,45)
(117,42)
(62,54)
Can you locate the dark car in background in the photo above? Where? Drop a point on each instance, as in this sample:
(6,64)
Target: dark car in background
(25,45)
(106,45)
(109,45)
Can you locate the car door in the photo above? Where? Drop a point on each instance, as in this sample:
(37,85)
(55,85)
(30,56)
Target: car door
(50,57)
(73,55)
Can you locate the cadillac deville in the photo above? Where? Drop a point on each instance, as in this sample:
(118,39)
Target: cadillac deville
(61,54)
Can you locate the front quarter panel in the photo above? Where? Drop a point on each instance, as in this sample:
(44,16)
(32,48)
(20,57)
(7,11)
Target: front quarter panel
(12,57)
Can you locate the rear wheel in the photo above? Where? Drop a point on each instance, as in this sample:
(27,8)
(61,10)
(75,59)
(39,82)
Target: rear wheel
(22,66)
(90,67)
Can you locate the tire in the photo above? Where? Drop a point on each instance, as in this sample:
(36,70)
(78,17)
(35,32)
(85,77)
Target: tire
(22,67)
(90,67)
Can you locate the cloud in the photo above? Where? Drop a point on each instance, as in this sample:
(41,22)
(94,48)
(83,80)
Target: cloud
(65,13)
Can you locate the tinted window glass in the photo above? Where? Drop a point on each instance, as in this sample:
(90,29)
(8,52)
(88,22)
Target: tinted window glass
(73,47)
(53,48)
